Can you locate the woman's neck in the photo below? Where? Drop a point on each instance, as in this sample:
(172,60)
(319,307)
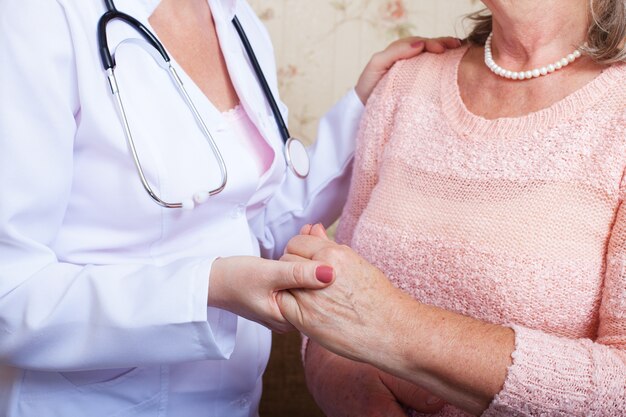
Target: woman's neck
(532,33)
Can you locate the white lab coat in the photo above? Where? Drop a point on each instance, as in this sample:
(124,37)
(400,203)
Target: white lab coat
(102,292)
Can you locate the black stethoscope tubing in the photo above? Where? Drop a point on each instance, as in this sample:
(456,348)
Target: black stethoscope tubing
(108,61)
(295,152)
(282,126)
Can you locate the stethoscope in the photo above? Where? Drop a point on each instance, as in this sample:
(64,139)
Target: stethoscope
(295,152)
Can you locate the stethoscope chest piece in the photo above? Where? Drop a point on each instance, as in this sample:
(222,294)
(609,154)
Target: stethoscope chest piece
(297,157)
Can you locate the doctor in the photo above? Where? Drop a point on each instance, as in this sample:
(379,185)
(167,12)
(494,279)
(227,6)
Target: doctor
(112,304)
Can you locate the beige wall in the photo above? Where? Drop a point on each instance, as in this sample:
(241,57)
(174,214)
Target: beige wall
(322,45)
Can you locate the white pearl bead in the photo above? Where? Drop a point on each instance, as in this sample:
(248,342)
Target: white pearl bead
(188,204)
(525,75)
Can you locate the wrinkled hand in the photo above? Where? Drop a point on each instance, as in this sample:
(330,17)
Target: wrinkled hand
(352,317)
(405,48)
(344,388)
(248,286)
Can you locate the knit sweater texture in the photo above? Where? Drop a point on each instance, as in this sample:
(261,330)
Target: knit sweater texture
(514,221)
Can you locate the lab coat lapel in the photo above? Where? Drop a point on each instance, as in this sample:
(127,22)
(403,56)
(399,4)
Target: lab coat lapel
(242,75)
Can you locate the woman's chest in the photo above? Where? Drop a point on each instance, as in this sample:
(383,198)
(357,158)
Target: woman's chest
(502,230)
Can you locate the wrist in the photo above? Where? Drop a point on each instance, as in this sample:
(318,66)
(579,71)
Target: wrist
(216,296)
(361,93)
(399,335)
(366,83)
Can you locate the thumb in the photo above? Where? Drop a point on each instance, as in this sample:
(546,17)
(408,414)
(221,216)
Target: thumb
(306,275)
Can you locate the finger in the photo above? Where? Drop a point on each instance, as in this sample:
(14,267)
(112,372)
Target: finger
(306,229)
(404,49)
(319,231)
(289,308)
(435,46)
(306,275)
(282,328)
(293,258)
(413,396)
(306,246)
(450,42)
(394,409)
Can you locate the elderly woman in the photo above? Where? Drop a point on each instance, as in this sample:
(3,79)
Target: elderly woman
(488,188)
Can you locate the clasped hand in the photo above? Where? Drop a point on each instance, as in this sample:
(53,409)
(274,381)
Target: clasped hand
(344,318)
(347,315)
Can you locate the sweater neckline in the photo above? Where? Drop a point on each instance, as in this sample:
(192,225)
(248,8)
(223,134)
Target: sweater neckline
(469,124)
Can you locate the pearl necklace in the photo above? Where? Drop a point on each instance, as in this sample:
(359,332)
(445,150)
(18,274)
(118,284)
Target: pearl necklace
(526,75)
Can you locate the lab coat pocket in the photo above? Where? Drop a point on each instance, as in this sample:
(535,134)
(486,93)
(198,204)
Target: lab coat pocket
(111,393)
(105,376)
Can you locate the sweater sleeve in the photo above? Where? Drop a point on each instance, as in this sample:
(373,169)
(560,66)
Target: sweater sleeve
(562,377)
(374,133)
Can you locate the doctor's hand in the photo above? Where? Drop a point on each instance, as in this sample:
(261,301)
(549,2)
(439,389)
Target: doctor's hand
(405,48)
(343,388)
(248,286)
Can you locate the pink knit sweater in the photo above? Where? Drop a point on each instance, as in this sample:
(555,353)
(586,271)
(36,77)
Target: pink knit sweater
(514,221)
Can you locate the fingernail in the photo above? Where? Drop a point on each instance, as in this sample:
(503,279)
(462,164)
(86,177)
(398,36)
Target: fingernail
(432,400)
(417,44)
(324,274)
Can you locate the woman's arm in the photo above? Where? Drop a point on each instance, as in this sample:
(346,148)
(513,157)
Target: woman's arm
(365,318)
(465,361)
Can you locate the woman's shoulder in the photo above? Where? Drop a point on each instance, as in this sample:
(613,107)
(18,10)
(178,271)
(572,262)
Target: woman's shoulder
(423,73)
(617,74)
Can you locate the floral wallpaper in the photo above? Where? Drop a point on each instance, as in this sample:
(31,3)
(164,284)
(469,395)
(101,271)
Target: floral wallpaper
(321,46)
